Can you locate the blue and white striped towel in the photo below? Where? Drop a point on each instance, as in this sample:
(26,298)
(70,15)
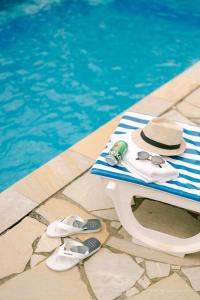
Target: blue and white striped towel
(188,164)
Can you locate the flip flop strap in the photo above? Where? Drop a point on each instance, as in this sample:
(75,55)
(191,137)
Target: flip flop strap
(69,227)
(72,254)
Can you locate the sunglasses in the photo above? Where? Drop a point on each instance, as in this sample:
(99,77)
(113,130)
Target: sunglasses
(155,159)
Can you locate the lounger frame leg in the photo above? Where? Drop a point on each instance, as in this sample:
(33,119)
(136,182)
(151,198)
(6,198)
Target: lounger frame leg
(121,194)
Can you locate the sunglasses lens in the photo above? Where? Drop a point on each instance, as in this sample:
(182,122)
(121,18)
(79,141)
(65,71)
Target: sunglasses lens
(157,160)
(143,155)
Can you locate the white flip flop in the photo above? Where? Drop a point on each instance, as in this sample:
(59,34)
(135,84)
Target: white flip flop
(71,253)
(72,225)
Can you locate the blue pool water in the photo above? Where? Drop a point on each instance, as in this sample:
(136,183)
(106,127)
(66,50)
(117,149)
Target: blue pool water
(67,67)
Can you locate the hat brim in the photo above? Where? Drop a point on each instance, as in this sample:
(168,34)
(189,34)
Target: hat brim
(137,139)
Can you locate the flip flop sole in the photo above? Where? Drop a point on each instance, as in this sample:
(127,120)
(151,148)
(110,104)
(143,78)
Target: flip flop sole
(92,225)
(60,263)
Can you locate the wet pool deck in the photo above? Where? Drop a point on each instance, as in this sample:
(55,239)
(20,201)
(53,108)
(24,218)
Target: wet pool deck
(63,186)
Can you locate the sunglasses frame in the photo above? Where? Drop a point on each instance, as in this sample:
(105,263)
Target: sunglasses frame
(150,157)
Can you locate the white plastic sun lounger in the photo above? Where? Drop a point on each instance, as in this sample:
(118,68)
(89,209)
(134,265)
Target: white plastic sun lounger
(183,192)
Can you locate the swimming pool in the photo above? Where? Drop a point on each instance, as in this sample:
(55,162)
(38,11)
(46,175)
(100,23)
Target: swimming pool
(67,67)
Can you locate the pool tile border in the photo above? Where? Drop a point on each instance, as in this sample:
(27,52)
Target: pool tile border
(13,207)
(158,106)
(177,88)
(25,195)
(193,72)
(51,177)
(92,145)
(44,182)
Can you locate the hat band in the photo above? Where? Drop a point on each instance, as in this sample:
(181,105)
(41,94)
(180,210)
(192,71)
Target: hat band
(157,144)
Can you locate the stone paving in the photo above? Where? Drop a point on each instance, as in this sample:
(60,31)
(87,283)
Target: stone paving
(120,269)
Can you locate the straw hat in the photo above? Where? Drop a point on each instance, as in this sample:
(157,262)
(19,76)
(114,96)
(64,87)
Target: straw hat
(160,136)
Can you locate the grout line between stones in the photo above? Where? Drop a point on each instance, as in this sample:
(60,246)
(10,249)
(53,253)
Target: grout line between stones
(86,280)
(167,110)
(101,209)
(174,105)
(5,279)
(35,215)
(42,203)
(192,104)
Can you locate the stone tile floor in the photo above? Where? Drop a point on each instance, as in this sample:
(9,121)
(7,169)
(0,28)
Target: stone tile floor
(64,186)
